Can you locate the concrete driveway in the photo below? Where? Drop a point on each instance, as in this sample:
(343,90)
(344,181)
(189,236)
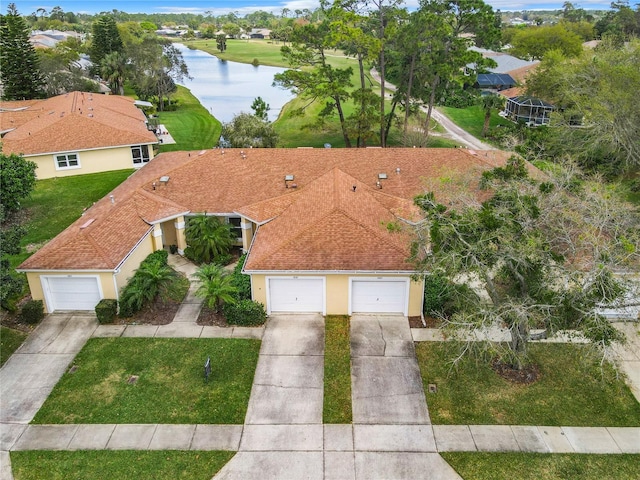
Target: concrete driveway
(385,377)
(33,370)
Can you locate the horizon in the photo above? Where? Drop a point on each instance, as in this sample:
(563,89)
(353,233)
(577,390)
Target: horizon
(244,7)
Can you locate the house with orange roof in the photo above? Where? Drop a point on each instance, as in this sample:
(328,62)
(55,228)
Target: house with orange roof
(77,133)
(326,230)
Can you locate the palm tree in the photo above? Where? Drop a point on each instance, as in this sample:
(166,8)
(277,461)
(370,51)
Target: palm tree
(209,237)
(490,102)
(216,286)
(150,280)
(113,70)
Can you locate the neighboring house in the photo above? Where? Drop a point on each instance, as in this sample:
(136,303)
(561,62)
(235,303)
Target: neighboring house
(494,82)
(516,68)
(77,133)
(322,227)
(260,33)
(50,38)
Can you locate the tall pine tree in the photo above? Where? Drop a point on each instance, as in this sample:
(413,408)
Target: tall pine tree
(105,40)
(19,66)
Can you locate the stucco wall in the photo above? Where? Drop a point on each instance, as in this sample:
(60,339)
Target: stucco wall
(35,284)
(337,292)
(127,269)
(91,161)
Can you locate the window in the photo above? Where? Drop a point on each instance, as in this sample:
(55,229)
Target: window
(67,160)
(140,154)
(235,227)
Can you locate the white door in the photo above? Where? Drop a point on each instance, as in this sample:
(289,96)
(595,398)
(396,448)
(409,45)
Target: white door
(379,296)
(71,293)
(296,295)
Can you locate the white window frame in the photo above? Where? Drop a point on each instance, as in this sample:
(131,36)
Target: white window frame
(66,156)
(142,157)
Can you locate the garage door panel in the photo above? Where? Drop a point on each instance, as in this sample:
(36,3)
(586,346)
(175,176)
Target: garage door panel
(296,295)
(369,296)
(73,293)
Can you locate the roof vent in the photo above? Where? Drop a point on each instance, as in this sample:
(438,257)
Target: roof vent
(353,189)
(113,200)
(288,178)
(90,115)
(398,171)
(202,152)
(87,223)
(378,184)
(164,179)
(382,176)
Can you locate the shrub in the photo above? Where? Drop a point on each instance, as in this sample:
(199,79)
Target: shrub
(173,249)
(106,310)
(208,237)
(189,254)
(245,313)
(159,256)
(32,312)
(241,281)
(255,62)
(223,259)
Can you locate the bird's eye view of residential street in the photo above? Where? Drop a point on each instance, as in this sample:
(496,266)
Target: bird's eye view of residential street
(319,240)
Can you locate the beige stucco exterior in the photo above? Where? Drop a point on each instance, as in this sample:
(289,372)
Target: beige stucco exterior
(337,290)
(132,262)
(35,283)
(109,280)
(91,161)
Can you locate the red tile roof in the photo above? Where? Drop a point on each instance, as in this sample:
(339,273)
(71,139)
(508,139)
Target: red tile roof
(321,221)
(72,122)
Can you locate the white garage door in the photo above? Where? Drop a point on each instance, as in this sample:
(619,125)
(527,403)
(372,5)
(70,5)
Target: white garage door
(379,296)
(296,295)
(72,293)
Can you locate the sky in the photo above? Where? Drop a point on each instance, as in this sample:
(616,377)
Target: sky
(242,7)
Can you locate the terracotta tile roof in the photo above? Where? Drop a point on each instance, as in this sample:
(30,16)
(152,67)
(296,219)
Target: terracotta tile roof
(212,182)
(72,122)
(512,92)
(520,74)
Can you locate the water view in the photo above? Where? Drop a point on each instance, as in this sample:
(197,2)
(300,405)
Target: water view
(228,88)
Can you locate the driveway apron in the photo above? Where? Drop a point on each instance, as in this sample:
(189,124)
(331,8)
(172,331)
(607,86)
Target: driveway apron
(33,370)
(386,383)
(282,436)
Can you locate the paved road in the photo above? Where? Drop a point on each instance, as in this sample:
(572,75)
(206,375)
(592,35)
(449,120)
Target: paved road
(454,132)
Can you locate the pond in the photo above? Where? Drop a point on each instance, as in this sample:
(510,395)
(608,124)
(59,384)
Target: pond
(228,88)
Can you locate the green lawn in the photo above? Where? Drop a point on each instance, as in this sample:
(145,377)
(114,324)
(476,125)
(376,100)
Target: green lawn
(244,51)
(543,466)
(191,125)
(170,388)
(117,465)
(471,119)
(337,370)
(571,390)
(10,340)
(57,202)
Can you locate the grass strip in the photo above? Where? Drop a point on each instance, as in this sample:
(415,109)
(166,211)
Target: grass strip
(117,465)
(337,370)
(543,466)
(471,119)
(10,340)
(170,387)
(57,202)
(572,390)
(191,125)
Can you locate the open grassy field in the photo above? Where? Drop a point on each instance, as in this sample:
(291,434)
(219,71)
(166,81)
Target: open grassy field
(471,119)
(56,202)
(170,387)
(337,370)
(243,51)
(10,340)
(570,391)
(117,465)
(543,466)
(191,125)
